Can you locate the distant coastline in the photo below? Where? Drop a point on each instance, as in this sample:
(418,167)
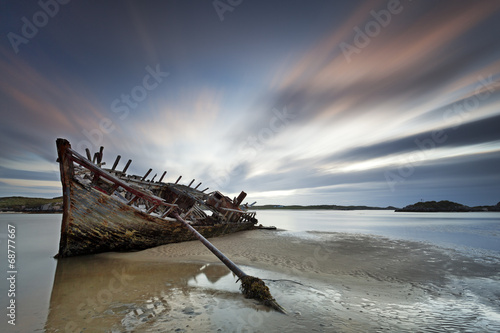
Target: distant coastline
(420,207)
(31,205)
(55,205)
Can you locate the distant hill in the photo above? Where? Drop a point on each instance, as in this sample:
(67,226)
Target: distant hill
(31,205)
(322,207)
(55,205)
(446,206)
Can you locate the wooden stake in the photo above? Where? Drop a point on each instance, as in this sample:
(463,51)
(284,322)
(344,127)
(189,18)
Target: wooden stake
(249,283)
(126,166)
(161,178)
(89,156)
(147,173)
(99,157)
(116,162)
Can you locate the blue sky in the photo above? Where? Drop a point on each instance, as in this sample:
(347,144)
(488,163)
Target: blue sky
(295,102)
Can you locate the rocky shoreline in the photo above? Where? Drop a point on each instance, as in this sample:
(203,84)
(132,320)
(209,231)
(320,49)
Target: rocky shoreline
(447,206)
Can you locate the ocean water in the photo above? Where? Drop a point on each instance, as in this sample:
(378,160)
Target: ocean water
(36,242)
(471,231)
(39,277)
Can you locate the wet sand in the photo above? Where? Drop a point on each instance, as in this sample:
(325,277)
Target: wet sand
(328,282)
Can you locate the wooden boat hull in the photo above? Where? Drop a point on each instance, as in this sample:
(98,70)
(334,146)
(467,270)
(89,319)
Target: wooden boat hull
(100,223)
(95,222)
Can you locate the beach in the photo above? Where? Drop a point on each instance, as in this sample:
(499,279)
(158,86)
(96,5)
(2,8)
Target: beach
(327,281)
(359,271)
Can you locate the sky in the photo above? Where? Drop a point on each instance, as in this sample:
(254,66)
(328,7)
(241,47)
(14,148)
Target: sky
(380,103)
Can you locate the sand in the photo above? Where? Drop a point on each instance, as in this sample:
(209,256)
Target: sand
(327,282)
(327,257)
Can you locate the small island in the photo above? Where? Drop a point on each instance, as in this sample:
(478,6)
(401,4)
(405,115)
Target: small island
(446,206)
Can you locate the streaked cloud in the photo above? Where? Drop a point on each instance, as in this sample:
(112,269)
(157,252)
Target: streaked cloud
(267,101)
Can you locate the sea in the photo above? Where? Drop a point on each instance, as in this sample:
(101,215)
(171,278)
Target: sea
(28,243)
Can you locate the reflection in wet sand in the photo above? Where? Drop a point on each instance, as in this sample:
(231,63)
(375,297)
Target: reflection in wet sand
(95,293)
(328,282)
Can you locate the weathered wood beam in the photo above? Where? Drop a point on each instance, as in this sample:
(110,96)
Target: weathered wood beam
(132,200)
(191,183)
(178,179)
(67,172)
(113,189)
(99,157)
(249,283)
(161,178)
(240,198)
(197,186)
(152,209)
(76,157)
(231,265)
(89,156)
(116,162)
(147,173)
(126,166)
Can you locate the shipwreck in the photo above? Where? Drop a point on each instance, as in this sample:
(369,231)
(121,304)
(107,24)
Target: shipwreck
(105,209)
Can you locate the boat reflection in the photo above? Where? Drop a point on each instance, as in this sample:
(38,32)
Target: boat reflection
(95,293)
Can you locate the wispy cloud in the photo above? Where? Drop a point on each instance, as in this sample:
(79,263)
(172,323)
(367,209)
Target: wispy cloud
(342,123)
(40,107)
(392,93)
